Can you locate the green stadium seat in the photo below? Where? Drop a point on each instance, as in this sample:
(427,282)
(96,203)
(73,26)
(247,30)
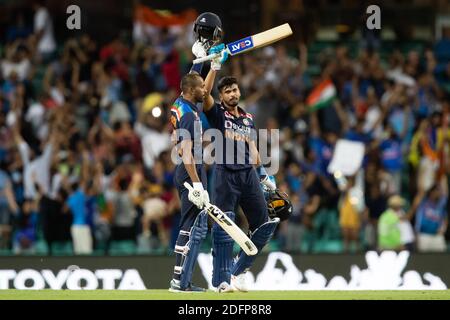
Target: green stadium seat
(41,247)
(123,247)
(6,252)
(62,248)
(333,246)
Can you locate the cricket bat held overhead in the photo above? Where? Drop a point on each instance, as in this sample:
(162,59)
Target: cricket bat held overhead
(252,42)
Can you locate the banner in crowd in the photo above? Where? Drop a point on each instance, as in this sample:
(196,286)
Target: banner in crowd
(276,271)
(347,157)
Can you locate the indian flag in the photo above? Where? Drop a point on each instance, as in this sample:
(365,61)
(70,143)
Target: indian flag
(163,18)
(321,96)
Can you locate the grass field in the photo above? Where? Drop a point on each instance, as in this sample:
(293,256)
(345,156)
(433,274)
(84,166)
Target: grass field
(254,295)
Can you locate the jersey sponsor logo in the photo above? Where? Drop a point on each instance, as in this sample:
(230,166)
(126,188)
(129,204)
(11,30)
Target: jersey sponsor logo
(236,127)
(240,45)
(246,122)
(236,136)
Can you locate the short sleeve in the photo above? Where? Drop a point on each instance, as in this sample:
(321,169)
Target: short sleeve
(187,122)
(213,115)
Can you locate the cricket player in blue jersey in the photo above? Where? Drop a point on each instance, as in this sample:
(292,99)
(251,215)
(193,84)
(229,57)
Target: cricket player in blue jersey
(185,118)
(239,177)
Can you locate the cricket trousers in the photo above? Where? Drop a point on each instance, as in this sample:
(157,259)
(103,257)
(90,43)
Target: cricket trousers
(240,187)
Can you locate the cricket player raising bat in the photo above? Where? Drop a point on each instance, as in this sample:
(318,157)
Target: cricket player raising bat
(237,179)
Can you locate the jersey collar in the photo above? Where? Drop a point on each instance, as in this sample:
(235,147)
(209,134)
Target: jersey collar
(242,113)
(193,106)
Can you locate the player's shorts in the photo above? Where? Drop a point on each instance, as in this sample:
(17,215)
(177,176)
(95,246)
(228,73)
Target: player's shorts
(188,210)
(240,187)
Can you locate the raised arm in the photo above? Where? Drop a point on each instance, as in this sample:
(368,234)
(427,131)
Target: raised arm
(216,65)
(209,83)
(22,145)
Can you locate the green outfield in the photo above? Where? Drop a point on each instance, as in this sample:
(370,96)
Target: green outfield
(254,295)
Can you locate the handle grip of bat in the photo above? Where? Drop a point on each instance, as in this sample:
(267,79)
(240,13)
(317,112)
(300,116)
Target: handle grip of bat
(209,57)
(206,58)
(188,186)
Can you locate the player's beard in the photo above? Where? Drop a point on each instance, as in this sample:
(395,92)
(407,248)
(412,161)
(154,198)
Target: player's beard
(232,103)
(199,99)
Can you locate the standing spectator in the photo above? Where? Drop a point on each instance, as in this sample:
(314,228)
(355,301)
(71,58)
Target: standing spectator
(154,139)
(389,233)
(54,218)
(431,218)
(351,209)
(124,213)
(80,230)
(43,30)
(376,202)
(392,158)
(8,206)
(16,61)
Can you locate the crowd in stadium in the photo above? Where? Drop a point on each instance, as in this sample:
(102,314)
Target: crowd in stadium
(85,143)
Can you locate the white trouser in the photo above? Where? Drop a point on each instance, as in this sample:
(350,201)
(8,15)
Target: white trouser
(82,239)
(428,242)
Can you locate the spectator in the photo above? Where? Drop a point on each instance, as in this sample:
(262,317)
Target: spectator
(25,236)
(80,230)
(16,61)
(351,210)
(154,138)
(124,213)
(376,202)
(55,218)
(389,232)
(431,218)
(8,206)
(43,31)
(392,158)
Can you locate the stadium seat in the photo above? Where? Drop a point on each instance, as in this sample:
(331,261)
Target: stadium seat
(6,252)
(62,248)
(123,247)
(41,247)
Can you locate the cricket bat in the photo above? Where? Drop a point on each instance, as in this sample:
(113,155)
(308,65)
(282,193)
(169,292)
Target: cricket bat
(229,226)
(252,42)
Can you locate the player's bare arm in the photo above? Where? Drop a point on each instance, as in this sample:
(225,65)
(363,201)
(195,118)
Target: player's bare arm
(254,154)
(188,160)
(209,83)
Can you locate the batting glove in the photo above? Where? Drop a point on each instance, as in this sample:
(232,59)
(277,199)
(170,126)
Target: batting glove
(216,63)
(267,182)
(198,195)
(199,50)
